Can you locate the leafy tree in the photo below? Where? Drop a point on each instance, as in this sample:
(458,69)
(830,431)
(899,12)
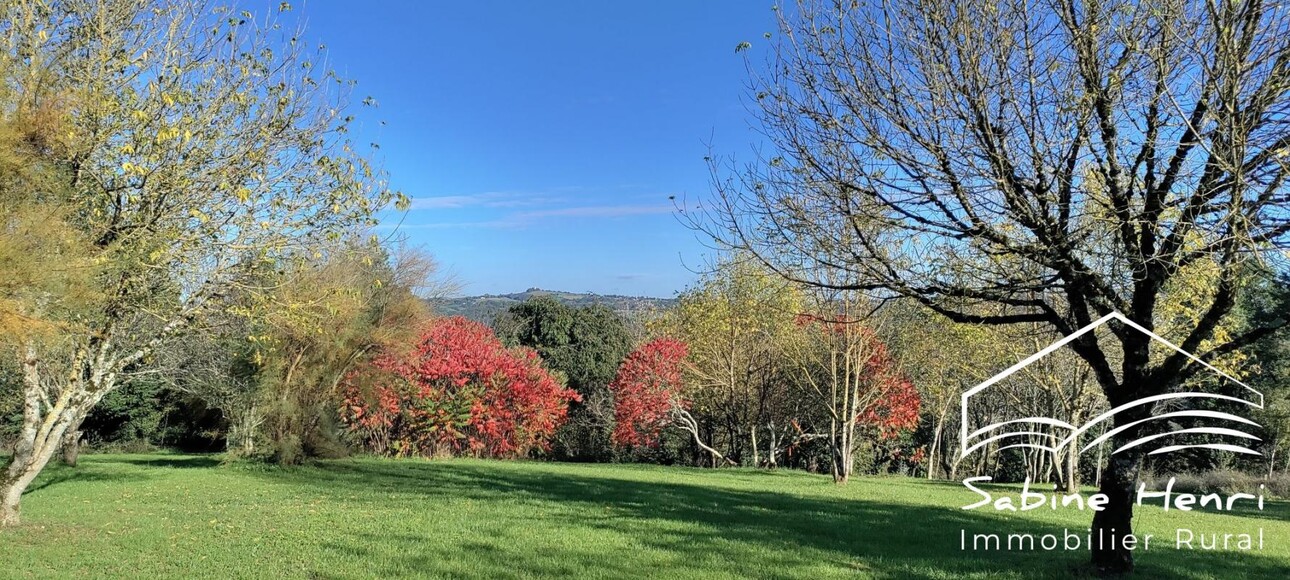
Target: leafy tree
(1272,356)
(732,322)
(458,391)
(650,395)
(943,359)
(147,413)
(1019,163)
(324,319)
(852,381)
(585,345)
(274,365)
(191,141)
(136,412)
(648,384)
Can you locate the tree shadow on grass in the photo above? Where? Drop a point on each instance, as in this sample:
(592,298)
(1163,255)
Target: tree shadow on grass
(175,462)
(61,474)
(704,526)
(99,469)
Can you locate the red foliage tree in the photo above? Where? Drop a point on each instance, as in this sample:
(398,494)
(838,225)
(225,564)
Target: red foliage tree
(894,402)
(458,390)
(647,390)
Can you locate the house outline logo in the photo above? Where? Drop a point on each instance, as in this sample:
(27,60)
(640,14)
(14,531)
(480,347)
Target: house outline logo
(1255,400)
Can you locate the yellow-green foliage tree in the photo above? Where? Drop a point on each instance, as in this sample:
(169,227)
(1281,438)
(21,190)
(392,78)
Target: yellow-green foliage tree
(274,364)
(35,206)
(944,359)
(323,321)
(733,323)
(190,140)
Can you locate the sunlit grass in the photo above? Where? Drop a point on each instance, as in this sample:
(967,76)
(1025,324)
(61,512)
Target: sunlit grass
(186,516)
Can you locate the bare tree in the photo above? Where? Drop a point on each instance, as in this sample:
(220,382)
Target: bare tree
(1063,159)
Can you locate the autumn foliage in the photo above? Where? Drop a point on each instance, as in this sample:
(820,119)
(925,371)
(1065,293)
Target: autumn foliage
(894,402)
(890,401)
(645,391)
(459,391)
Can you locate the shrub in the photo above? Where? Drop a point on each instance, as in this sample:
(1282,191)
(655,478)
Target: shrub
(458,391)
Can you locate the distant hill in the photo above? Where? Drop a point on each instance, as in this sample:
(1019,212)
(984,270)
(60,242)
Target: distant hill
(484,308)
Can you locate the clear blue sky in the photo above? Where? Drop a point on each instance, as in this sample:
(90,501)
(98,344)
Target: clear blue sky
(541,140)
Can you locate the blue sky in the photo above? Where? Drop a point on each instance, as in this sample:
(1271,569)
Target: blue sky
(542,140)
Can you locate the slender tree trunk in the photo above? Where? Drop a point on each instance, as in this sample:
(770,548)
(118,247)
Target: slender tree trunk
(834,451)
(772,459)
(933,454)
(1097,475)
(756,457)
(845,455)
(839,460)
(1072,467)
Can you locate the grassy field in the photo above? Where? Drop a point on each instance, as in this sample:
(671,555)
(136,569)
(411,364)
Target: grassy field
(187,516)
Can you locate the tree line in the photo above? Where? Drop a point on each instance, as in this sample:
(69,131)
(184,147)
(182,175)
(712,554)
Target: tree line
(944,187)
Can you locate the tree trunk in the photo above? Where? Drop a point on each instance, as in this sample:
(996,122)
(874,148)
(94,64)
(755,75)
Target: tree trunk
(1118,483)
(71,448)
(772,459)
(756,458)
(15,481)
(23,468)
(933,455)
(44,426)
(840,472)
(1072,467)
(10,494)
(71,445)
(19,474)
(1097,475)
(844,454)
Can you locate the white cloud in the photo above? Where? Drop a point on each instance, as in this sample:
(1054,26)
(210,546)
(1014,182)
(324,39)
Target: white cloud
(595,211)
(487,199)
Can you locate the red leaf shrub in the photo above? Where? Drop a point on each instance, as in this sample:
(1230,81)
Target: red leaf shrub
(646,388)
(459,391)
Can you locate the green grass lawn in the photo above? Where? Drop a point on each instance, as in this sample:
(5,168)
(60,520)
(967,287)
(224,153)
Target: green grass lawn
(187,516)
